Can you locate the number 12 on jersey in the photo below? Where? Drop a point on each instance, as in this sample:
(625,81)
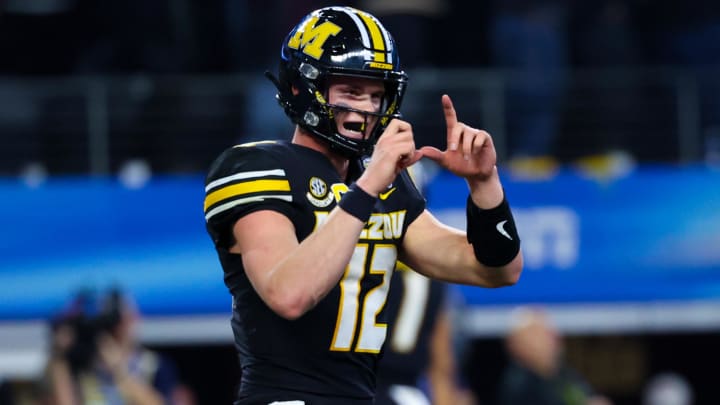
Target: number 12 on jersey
(351,314)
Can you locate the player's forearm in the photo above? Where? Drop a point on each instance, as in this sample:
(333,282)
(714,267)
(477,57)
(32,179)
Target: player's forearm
(491,276)
(492,233)
(306,275)
(508,274)
(442,252)
(465,268)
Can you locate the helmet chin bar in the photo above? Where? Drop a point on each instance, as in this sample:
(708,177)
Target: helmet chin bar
(346,146)
(343,145)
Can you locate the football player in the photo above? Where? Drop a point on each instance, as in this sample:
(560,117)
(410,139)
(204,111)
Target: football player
(308,231)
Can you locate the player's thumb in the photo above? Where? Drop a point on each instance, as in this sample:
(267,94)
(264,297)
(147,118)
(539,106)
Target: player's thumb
(415,157)
(411,160)
(432,153)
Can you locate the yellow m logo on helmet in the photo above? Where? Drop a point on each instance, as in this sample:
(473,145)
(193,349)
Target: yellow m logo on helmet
(311,38)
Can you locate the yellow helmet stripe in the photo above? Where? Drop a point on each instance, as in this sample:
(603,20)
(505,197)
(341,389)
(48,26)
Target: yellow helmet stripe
(352,13)
(249,187)
(376,35)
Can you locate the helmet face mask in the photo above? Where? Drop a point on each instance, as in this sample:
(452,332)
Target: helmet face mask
(338,42)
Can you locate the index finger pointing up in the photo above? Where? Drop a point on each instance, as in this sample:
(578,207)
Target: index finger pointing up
(450,122)
(449,110)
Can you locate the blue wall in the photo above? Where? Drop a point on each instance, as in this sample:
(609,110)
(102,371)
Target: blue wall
(653,235)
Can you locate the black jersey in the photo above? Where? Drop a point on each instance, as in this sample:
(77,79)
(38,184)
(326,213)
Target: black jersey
(333,348)
(413,306)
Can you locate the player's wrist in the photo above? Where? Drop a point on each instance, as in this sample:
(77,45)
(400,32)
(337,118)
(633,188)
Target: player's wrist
(492,233)
(357,202)
(488,192)
(365,187)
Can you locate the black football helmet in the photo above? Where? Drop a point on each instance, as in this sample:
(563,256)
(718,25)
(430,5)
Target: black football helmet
(337,41)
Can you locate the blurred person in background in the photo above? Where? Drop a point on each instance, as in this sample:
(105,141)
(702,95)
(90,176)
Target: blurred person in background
(95,358)
(419,356)
(537,373)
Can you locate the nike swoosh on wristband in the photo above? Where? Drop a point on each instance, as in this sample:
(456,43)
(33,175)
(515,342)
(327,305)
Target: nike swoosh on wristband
(502,230)
(385,195)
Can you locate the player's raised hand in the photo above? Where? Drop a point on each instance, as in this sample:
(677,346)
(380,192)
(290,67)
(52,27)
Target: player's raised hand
(394,151)
(470,152)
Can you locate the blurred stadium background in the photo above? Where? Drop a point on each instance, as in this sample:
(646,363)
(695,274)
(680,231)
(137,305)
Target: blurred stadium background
(110,113)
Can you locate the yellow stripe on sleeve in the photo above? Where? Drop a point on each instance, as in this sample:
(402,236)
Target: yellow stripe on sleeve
(248,187)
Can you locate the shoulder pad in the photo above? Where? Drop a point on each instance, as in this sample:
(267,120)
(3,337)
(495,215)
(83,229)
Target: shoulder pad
(245,174)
